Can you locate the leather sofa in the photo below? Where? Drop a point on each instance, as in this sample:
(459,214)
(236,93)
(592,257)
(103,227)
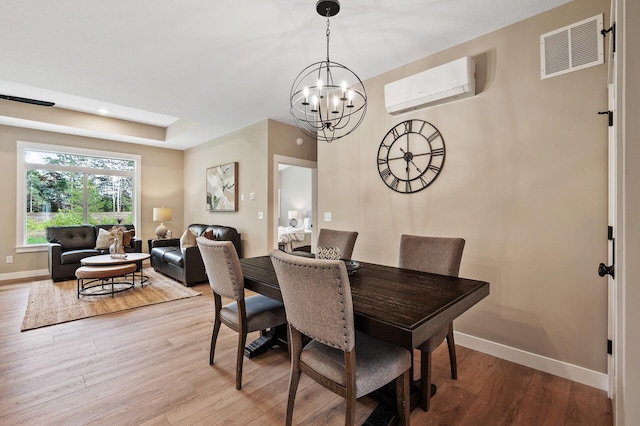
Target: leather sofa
(68,245)
(185,264)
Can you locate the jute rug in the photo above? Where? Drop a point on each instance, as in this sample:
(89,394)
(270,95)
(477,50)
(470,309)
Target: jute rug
(54,303)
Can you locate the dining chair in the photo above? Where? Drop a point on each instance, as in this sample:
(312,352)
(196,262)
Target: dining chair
(317,298)
(439,256)
(244,315)
(344,240)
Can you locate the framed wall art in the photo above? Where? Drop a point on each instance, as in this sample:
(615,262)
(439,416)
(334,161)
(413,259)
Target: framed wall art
(222,181)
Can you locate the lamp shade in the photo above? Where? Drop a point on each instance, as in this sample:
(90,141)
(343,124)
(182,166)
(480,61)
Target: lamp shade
(160,214)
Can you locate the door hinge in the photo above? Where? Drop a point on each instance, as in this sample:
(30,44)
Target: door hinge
(610,114)
(610,233)
(612,29)
(609,347)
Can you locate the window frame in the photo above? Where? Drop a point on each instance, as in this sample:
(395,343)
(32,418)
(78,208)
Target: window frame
(21,193)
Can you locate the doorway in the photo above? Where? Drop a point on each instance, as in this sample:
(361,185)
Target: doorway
(295,201)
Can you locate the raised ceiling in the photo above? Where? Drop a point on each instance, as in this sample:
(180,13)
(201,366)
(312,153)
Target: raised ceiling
(203,69)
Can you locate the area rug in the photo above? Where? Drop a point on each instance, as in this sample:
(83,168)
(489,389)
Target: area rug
(54,303)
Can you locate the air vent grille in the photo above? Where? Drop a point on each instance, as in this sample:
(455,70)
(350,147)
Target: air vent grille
(572,48)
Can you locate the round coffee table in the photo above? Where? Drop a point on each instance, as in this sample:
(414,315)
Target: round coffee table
(107,260)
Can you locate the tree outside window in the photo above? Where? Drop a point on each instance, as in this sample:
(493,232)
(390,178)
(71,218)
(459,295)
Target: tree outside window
(71,189)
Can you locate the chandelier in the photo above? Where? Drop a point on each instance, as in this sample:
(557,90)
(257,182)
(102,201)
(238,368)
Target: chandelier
(328,100)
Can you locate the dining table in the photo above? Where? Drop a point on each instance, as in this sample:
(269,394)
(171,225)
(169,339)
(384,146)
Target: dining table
(402,306)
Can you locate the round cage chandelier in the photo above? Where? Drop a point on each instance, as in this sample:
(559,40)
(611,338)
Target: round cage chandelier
(328,100)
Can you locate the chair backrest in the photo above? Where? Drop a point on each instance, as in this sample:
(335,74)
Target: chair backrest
(317,298)
(344,240)
(431,254)
(223,267)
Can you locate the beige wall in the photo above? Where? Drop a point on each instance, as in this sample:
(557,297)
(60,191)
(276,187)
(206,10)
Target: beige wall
(161,185)
(524,182)
(253,148)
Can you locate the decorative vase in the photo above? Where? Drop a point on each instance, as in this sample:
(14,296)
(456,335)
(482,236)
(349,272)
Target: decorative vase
(116,247)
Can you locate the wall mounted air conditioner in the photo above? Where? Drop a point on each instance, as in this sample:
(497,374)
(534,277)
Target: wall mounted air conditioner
(445,83)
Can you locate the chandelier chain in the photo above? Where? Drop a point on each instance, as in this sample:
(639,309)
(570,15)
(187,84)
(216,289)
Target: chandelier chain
(328,34)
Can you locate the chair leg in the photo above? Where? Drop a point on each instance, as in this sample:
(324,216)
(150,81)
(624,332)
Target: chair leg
(425,380)
(451,344)
(294,379)
(403,398)
(214,338)
(350,417)
(242,342)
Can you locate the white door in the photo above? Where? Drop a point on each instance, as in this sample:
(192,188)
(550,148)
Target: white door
(608,270)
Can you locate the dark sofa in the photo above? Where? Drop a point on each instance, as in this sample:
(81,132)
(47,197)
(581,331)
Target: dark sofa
(68,245)
(185,264)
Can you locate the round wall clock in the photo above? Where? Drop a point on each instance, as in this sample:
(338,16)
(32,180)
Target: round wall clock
(411,156)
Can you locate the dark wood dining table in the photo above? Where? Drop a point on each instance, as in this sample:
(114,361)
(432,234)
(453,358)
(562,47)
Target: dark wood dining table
(402,306)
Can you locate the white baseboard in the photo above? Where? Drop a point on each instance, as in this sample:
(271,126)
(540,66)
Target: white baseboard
(24,274)
(538,362)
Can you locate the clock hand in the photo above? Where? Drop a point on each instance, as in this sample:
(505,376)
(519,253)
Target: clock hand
(396,158)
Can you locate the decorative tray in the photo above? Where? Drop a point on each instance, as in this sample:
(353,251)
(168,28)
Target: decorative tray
(118,256)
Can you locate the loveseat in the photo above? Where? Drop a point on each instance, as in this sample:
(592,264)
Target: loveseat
(180,258)
(68,245)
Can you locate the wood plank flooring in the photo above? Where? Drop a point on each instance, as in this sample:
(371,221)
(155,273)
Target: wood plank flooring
(149,366)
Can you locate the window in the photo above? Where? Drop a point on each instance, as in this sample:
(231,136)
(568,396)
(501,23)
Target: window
(71,186)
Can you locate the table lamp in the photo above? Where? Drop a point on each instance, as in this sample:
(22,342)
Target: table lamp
(160,214)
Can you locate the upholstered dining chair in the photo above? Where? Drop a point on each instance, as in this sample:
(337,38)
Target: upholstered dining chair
(317,298)
(439,256)
(244,315)
(344,240)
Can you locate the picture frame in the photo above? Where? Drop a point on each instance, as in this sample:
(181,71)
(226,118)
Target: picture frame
(221,188)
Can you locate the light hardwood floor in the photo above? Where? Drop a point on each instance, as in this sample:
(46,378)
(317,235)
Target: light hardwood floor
(149,366)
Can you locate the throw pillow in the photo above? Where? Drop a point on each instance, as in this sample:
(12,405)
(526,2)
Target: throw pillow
(104,240)
(127,238)
(209,234)
(188,239)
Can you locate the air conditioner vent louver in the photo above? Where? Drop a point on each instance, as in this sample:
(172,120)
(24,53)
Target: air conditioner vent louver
(572,48)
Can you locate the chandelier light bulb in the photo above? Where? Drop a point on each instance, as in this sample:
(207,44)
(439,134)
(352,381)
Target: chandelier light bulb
(305,93)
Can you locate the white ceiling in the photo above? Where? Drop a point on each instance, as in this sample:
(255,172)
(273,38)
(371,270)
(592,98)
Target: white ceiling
(223,65)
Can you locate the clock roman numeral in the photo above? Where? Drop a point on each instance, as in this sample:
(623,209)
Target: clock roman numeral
(394,183)
(384,174)
(437,151)
(395,133)
(434,169)
(382,161)
(433,136)
(408,186)
(407,126)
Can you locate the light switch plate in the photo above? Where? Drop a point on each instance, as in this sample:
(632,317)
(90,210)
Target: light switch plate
(327,216)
